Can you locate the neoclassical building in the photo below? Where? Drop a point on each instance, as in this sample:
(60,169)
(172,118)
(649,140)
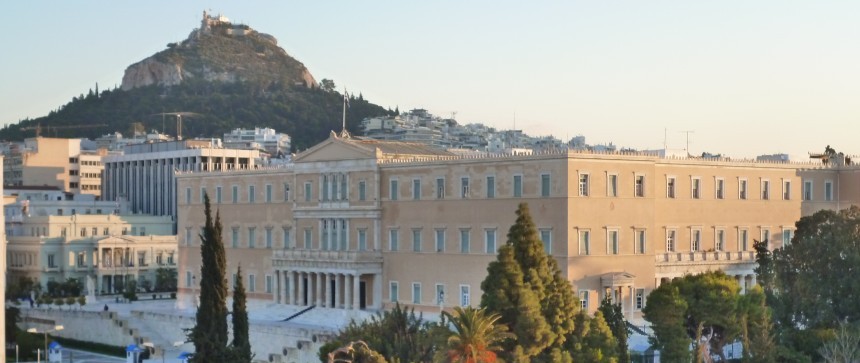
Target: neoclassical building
(362,224)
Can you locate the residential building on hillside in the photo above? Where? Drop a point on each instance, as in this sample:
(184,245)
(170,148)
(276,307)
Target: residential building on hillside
(363,224)
(62,163)
(264,139)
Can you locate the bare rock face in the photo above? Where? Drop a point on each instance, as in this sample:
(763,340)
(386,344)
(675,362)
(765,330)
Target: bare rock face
(150,71)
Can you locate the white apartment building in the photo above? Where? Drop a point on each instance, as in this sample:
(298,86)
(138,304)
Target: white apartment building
(267,139)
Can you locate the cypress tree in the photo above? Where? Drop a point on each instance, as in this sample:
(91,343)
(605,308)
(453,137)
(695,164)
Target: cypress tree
(241,340)
(209,334)
(614,317)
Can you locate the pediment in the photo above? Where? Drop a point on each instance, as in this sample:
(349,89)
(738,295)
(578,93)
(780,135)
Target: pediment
(334,148)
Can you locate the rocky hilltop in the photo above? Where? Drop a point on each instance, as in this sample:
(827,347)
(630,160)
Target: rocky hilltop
(220,51)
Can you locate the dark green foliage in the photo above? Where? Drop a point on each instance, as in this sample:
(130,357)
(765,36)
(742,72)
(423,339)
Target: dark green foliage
(70,287)
(130,290)
(666,311)
(13,315)
(614,317)
(21,287)
(399,335)
(756,327)
(165,279)
(354,352)
(241,346)
(209,334)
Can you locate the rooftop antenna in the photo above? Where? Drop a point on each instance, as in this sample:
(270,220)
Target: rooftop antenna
(688,132)
(179,116)
(345,106)
(453,115)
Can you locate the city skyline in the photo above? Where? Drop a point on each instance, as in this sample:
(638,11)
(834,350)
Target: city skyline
(770,77)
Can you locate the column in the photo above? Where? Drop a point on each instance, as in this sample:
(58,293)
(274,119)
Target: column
(276,293)
(632,302)
(752,280)
(743,282)
(347,292)
(337,291)
(291,288)
(301,286)
(324,291)
(318,293)
(377,291)
(356,291)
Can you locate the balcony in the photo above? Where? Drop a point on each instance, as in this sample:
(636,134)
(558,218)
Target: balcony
(671,258)
(365,261)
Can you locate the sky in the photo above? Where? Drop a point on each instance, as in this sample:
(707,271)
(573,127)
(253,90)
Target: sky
(743,77)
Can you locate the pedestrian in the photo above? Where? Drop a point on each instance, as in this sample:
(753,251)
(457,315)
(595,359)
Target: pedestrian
(106,307)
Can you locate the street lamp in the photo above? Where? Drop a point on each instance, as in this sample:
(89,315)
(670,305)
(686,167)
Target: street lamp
(35,331)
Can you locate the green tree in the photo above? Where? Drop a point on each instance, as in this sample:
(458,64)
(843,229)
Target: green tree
(209,333)
(241,345)
(327,85)
(476,337)
(355,352)
(130,291)
(614,317)
(526,288)
(666,311)
(165,279)
(756,326)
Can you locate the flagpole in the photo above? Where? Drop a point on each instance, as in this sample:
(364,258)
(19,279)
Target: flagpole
(343,128)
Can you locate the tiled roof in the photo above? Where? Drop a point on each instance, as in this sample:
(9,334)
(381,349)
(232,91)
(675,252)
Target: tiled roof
(393,148)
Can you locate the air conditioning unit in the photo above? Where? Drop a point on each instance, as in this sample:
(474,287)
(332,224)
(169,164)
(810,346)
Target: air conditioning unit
(276,358)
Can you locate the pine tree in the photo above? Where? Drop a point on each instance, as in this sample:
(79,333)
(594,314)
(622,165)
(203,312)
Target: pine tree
(209,334)
(615,320)
(241,345)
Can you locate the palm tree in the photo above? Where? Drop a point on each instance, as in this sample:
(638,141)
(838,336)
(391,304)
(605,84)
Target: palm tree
(476,337)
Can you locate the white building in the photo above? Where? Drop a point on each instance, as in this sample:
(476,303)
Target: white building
(258,139)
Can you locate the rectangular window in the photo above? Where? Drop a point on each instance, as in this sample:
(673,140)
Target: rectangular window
(518,186)
(362,190)
(670,241)
(640,299)
(416,292)
(464,187)
(807,190)
(544,185)
(252,196)
(695,240)
(721,186)
(612,185)
(828,191)
(218,195)
(612,242)
(584,243)
(51,262)
(743,240)
(765,236)
(235,196)
(235,238)
(465,295)
(393,291)
(546,239)
(720,240)
(491,187)
(416,240)
(786,189)
(742,189)
(187,195)
(640,186)
(786,237)
(440,240)
(307,191)
(670,187)
(583,185)
(440,294)
(286,192)
(252,236)
(362,240)
(465,241)
(393,239)
(268,238)
(202,194)
(269,284)
(188,278)
(440,188)
(640,245)
(268,193)
(252,283)
(393,190)
(286,237)
(583,300)
(416,189)
(490,241)
(696,188)
(308,238)
(765,189)
(325,187)
(343,189)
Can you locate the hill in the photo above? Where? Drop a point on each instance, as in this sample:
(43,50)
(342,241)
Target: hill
(231,75)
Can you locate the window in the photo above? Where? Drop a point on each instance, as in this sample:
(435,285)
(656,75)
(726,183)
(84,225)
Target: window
(464,187)
(544,185)
(188,240)
(491,187)
(721,188)
(269,284)
(187,195)
(695,240)
(84,231)
(286,192)
(252,236)
(393,291)
(612,185)
(786,190)
(465,298)
(440,240)
(546,239)
(188,278)
(640,245)
(828,190)
(344,244)
(268,237)
(95,231)
(218,195)
(518,186)
(252,196)
(490,241)
(440,294)
(393,190)
(202,194)
(51,262)
(307,191)
(584,243)
(465,241)
(362,190)
(252,283)
(235,194)
(742,189)
(440,188)
(285,238)
(670,187)
(765,236)
(81,259)
(639,189)
(743,240)
(416,240)
(268,193)
(765,189)
(416,292)
(325,187)
(670,241)
(235,237)
(393,239)
(697,188)
(308,238)
(416,189)
(583,185)
(362,240)
(583,300)
(640,299)
(612,242)
(720,240)
(807,190)
(786,237)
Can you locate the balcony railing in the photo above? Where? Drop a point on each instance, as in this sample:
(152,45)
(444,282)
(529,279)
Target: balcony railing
(325,256)
(711,256)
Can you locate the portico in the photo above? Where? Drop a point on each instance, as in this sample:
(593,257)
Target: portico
(331,279)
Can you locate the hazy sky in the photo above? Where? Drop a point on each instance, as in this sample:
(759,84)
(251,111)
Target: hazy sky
(748,77)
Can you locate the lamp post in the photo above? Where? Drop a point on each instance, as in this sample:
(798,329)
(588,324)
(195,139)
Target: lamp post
(35,331)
